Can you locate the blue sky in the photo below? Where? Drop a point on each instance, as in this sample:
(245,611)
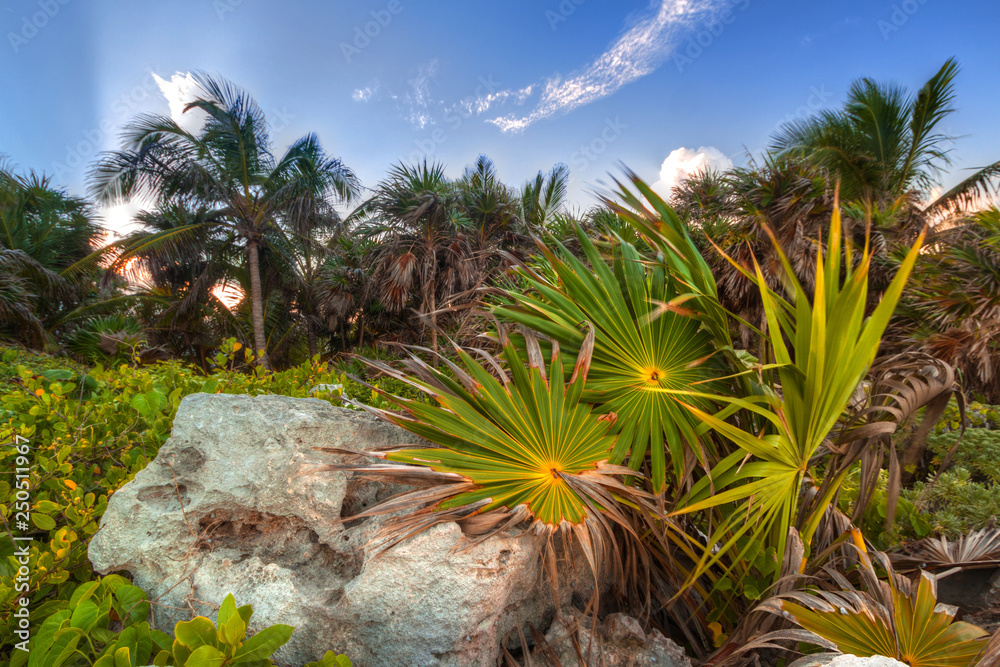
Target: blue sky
(529,83)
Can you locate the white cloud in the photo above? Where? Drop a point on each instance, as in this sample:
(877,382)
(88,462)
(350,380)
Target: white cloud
(367,93)
(685,162)
(638,52)
(482,103)
(418,99)
(181,90)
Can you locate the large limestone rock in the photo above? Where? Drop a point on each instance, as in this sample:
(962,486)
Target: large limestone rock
(855,661)
(841,660)
(232,503)
(619,640)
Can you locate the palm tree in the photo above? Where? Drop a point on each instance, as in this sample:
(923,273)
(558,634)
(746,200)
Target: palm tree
(44,236)
(737,211)
(543,197)
(177,282)
(342,288)
(421,255)
(228,167)
(886,149)
(953,310)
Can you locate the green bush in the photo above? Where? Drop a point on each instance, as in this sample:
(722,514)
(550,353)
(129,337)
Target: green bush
(956,504)
(978,452)
(977,415)
(104,624)
(88,433)
(911,522)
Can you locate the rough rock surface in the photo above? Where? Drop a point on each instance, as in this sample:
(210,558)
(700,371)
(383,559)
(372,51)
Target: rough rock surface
(619,640)
(855,661)
(833,660)
(232,503)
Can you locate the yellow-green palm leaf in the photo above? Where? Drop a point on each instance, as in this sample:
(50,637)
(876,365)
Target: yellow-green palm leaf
(645,342)
(823,344)
(885,619)
(506,443)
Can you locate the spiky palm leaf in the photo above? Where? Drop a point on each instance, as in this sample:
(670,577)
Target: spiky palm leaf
(823,345)
(645,341)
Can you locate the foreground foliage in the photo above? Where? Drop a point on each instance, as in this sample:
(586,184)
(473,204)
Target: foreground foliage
(888,616)
(513,448)
(89,432)
(105,625)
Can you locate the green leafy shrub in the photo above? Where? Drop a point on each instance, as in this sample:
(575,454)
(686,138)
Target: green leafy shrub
(89,432)
(955,504)
(98,616)
(104,624)
(977,415)
(911,521)
(978,452)
(199,642)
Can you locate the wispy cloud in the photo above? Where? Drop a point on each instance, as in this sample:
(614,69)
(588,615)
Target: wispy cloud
(640,50)
(367,93)
(418,97)
(482,103)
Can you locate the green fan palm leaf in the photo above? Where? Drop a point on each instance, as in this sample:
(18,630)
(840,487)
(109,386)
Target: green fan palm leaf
(644,342)
(508,445)
(893,618)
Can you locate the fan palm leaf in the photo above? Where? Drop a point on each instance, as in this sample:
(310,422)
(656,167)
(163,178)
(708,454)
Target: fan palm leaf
(645,341)
(507,448)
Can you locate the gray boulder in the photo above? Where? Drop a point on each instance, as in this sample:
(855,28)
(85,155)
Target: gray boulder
(841,660)
(233,504)
(619,640)
(855,661)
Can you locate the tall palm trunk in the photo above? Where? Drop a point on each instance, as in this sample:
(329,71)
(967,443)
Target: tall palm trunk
(311,335)
(257,305)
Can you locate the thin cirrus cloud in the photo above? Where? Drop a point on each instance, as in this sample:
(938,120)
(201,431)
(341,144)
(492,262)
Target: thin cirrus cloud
(638,52)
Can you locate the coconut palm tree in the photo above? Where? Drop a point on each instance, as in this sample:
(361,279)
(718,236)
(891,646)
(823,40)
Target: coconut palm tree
(887,149)
(44,236)
(228,167)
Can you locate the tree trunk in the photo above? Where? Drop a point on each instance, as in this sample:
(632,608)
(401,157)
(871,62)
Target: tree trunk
(434,328)
(257,306)
(311,335)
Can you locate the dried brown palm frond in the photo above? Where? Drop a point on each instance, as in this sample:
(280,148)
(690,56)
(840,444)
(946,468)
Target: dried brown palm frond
(990,657)
(901,385)
(977,549)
